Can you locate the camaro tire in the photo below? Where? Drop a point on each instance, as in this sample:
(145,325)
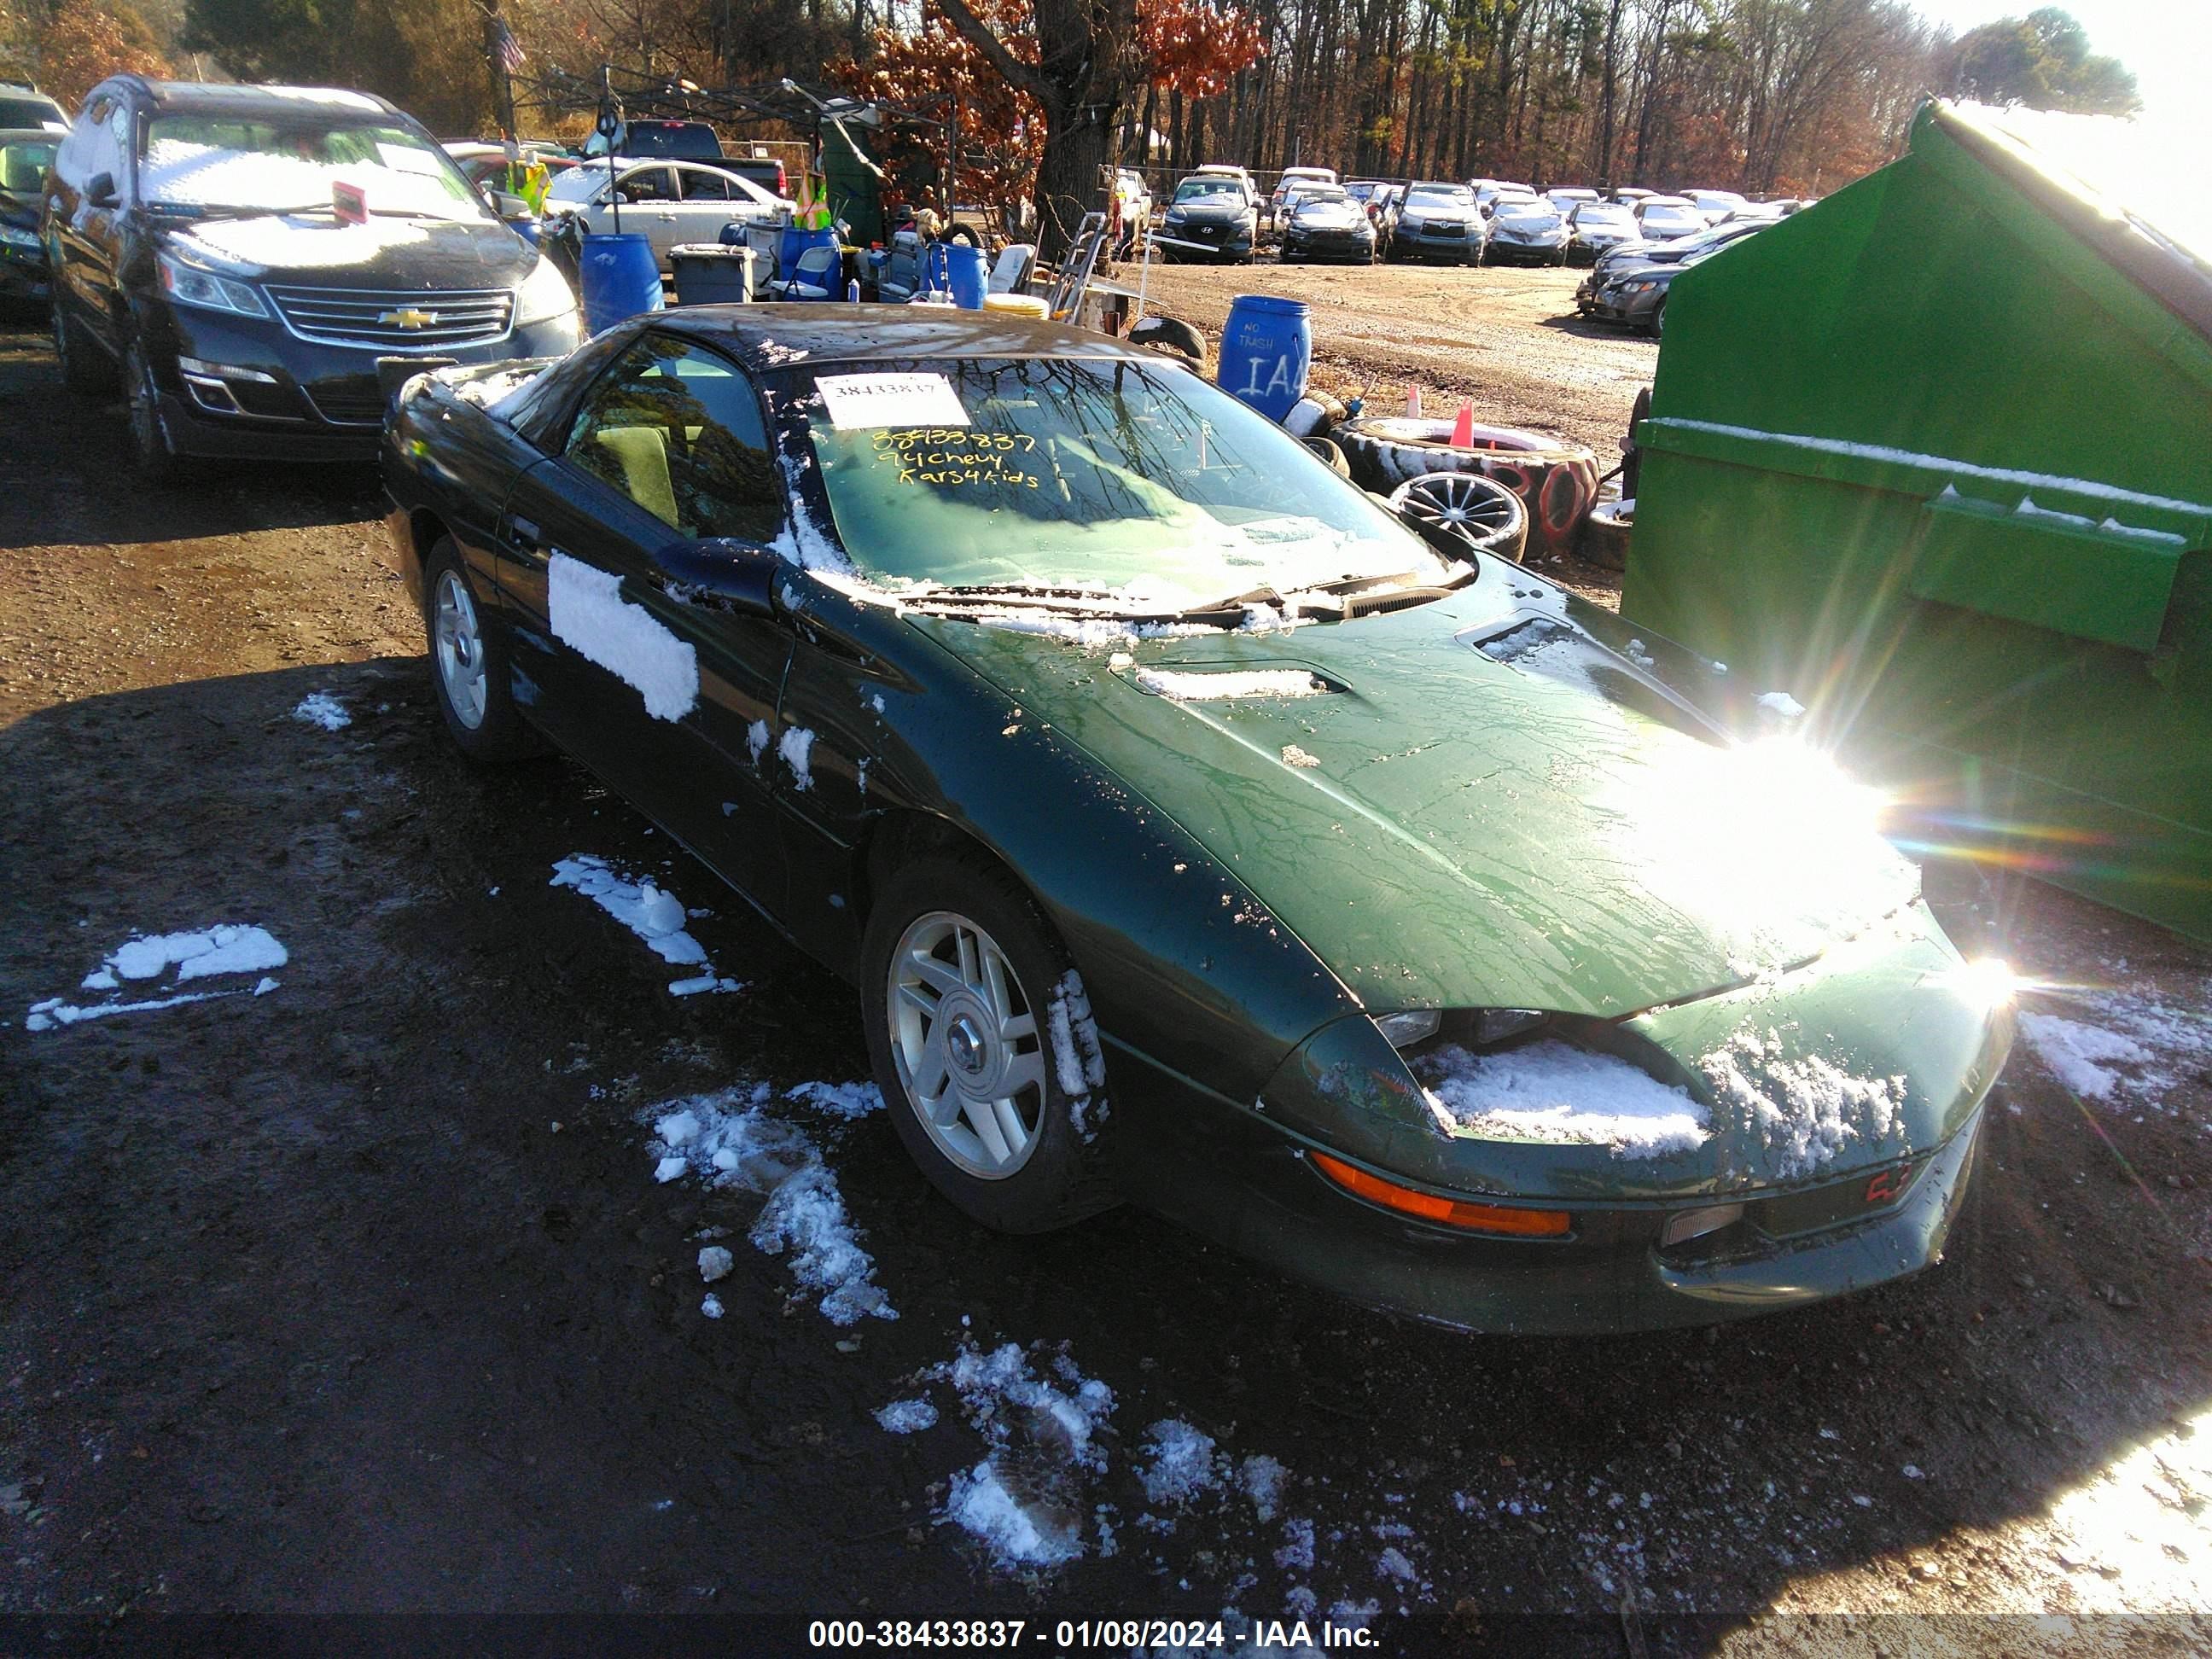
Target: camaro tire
(1556,481)
(469,666)
(1484,514)
(973,1021)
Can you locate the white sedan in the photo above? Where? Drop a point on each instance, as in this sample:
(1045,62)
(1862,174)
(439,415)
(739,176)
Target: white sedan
(670,201)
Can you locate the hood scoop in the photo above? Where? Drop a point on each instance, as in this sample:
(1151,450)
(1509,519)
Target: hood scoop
(1555,648)
(1227,685)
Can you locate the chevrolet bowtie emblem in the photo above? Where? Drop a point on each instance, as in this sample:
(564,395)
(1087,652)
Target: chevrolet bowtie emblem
(407,317)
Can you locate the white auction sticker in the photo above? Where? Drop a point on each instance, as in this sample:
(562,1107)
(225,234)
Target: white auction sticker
(860,400)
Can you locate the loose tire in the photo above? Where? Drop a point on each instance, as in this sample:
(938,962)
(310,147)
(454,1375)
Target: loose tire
(1556,481)
(1606,531)
(1466,508)
(85,368)
(469,667)
(151,452)
(965,996)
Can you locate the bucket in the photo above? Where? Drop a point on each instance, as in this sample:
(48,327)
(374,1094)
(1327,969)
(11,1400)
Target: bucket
(708,273)
(619,278)
(1267,347)
(969,275)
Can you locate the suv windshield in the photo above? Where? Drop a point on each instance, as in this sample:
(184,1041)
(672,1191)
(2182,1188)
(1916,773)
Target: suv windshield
(1146,485)
(1207,190)
(23,164)
(1671,222)
(1440,195)
(1592,214)
(1530,216)
(225,161)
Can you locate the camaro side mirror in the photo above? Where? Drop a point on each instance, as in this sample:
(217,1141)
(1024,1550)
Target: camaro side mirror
(722,574)
(99,191)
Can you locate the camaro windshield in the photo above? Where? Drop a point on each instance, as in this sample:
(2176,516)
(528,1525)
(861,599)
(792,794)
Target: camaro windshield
(226,161)
(1146,485)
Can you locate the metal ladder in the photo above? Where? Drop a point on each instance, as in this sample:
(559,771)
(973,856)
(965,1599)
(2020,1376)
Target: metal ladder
(1076,269)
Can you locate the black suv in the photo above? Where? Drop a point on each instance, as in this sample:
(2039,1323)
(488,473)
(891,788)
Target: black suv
(242,256)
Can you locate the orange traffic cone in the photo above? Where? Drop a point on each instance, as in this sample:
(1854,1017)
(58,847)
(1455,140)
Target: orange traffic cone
(1463,427)
(1412,403)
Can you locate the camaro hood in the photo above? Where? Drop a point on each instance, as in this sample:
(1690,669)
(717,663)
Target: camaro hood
(314,250)
(1446,829)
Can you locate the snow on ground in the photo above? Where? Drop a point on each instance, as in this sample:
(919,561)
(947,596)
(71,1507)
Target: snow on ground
(730,1139)
(1552,1091)
(140,963)
(2082,1057)
(321,708)
(1806,1110)
(651,912)
(628,640)
(2134,1051)
(907,1416)
(1185,687)
(845,1100)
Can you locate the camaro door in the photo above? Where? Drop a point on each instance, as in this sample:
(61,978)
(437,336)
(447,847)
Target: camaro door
(666,695)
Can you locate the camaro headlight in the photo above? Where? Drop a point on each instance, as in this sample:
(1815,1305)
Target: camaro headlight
(544,295)
(16,236)
(190,285)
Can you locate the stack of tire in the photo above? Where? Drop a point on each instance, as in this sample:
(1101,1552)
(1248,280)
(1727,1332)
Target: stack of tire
(1556,481)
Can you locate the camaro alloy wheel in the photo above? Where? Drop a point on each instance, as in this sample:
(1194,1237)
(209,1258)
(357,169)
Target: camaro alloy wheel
(457,643)
(968,1044)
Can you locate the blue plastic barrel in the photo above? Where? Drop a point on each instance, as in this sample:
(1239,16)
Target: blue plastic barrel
(1267,348)
(967,275)
(619,277)
(795,242)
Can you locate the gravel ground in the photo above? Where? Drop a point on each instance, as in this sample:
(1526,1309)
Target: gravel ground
(360,1295)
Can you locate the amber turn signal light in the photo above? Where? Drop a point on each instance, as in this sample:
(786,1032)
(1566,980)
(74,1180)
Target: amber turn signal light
(1451,1212)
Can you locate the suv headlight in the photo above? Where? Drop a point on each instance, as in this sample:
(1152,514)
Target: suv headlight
(190,285)
(544,295)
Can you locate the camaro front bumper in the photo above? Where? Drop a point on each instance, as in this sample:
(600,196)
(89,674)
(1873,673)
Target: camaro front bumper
(1243,1181)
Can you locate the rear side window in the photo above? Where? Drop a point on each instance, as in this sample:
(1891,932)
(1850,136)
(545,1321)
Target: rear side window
(684,141)
(677,430)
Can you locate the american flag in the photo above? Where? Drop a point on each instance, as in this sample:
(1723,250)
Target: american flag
(511,55)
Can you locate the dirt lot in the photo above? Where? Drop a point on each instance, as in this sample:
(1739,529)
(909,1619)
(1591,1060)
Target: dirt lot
(361,1294)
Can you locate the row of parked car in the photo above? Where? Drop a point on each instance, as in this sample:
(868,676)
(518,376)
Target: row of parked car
(1217,212)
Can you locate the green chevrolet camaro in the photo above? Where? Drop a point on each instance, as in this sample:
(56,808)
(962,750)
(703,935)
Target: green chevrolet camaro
(1197,833)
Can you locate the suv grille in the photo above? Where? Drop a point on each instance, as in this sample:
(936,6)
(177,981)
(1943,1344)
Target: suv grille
(371,316)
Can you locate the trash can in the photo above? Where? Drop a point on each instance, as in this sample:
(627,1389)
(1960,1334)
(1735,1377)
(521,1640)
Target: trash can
(1267,347)
(1931,456)
(708,273)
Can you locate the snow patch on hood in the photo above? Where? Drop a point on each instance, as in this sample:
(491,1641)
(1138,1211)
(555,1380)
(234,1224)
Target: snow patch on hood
(1552,1091)
(1188,687)
(288,242)
(1806,1110)
(731,1139)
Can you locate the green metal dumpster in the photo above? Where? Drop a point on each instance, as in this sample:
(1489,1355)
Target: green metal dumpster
(1934,456)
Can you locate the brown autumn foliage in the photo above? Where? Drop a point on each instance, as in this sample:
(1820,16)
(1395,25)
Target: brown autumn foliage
(83,43)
